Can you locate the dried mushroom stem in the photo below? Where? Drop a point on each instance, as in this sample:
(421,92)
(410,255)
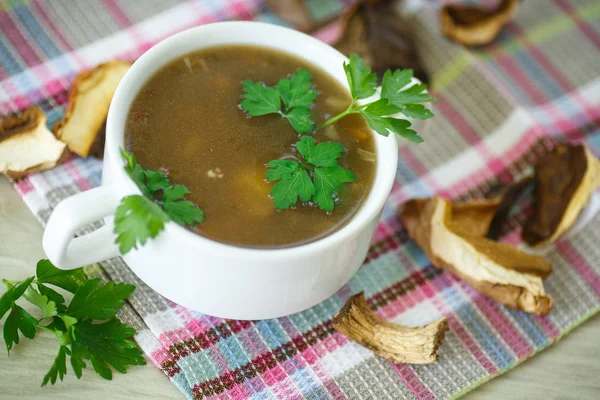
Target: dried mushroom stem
(397,343)
(89,99)
(565,179)
(473,25)
(26,144)
(498,270)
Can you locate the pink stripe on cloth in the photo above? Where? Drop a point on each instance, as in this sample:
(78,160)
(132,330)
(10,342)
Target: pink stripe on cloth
(505,328)
(15,35)
(586,28)
(580,264)
(412,381)
(557,76)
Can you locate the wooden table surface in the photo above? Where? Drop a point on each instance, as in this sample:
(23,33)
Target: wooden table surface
(567,370)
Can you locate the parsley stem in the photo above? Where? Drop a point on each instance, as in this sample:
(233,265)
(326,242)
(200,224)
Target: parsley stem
(341,115)
(307,166)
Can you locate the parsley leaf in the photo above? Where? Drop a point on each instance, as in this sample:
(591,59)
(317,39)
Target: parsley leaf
(327,182)
(296,92)
(375,115)
(184,212)
(155,180)
(174,193)
(362,81)
(135,172)
(294,183)
(70,280)
(13,294)
(48,307)
(299,118)
(316,178)
(59,368)
(260,99)
(18,320)
(137,219)
(105,344)
(99,302)
(53,295)
(324,154)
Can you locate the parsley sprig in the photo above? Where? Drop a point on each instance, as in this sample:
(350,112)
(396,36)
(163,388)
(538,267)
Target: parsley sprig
(396,97)
(298,93)
(317,177)
(139,218)
(86,328)
(291,98)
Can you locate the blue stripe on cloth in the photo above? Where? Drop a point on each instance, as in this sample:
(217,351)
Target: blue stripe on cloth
(530,327)
(37,32)
(483,333)
(233,352)
(272,333)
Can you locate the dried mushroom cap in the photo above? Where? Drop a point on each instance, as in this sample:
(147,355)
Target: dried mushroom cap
(498,270)
(398,343)
(565,178)
(26,144)
(90,97)
(377,33)
(475,26)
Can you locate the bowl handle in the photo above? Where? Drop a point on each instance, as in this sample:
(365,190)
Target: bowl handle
(67,252)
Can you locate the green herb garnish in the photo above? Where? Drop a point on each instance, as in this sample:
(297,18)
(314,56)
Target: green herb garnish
(395,98)
(85,328)
(317,177)
(290,98)
(293,97)
(139,218)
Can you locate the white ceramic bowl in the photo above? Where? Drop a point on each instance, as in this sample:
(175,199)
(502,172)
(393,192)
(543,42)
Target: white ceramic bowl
(196,272)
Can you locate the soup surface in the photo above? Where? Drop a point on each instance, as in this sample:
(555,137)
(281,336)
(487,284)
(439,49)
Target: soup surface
(186,121)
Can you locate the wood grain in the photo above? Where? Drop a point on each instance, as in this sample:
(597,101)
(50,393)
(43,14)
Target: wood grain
(567,370)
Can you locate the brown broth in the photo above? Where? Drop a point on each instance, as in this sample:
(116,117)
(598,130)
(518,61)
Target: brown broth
(186,121)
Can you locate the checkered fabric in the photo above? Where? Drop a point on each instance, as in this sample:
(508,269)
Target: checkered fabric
(500,107)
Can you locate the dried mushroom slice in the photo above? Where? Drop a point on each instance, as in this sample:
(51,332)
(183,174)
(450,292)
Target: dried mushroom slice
(473,25)
(376,32)
(90,97)
(475,215)
(498,270)
(395,342)
(26,144)
(565,178)
(510,196)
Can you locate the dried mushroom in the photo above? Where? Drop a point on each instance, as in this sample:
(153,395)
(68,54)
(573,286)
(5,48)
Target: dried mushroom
(377,33)
(90,97)
(565,178)
(293,12)
(510,196)
(395,342)
(26,144)
(498,270)
(473,25)
(476,215)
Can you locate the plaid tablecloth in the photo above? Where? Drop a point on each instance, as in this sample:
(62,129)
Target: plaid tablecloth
(499,108)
